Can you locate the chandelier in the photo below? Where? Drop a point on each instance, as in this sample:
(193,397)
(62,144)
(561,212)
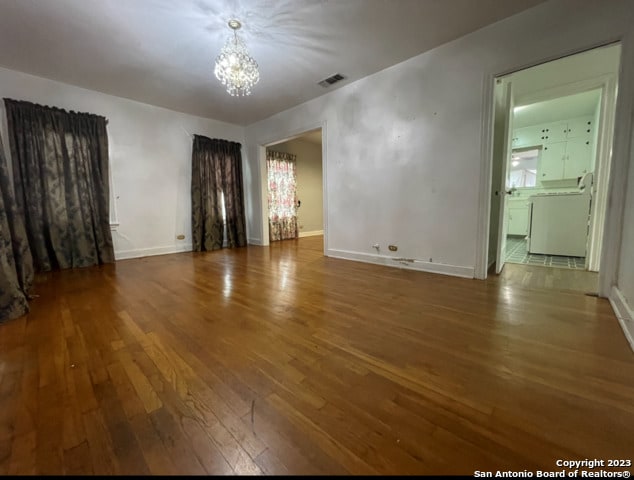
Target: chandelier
(235,68)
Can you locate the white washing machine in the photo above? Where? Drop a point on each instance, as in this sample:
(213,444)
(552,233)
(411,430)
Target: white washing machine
(559,224)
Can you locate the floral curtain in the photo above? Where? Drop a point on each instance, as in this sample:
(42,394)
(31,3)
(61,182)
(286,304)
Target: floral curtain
(282,177)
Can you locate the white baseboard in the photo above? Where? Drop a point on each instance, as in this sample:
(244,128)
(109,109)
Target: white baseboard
(254,241)
(392,261)
(311,234)
(623,313)
(147,252)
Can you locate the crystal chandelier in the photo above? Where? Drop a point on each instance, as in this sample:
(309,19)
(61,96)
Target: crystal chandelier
(235,68)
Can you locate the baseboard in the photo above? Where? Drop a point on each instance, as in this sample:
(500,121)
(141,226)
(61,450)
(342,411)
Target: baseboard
(148,252)
(311,234)
(254,241)
(623,313)
(399,262)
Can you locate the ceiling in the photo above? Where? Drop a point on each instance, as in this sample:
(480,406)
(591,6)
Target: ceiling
(312,137)
(571,106)
(532,84)
(161,51)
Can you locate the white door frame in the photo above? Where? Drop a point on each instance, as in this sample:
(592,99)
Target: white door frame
(507,150)
(617,182)
(264,194)
(607,85)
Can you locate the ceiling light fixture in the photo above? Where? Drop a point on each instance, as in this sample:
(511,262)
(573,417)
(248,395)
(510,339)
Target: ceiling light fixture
(235,68)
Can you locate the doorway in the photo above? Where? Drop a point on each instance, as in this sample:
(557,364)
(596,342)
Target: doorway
(552,137)
(295,193)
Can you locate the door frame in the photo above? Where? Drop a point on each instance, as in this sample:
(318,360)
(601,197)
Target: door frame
(264,198)
(507,152)
(605,135)
(617,181)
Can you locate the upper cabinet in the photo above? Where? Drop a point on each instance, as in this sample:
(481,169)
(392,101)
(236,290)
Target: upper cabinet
(554,132)
(566,147)
(527,137)
(580,127)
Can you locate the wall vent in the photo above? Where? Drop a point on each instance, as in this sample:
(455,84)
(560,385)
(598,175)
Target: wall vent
(326,82)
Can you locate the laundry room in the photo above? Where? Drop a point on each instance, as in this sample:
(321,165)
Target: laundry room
(558,160)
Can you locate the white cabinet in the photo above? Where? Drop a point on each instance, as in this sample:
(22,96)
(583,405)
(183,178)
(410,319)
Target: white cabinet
(578,157)
(552,162)
(580,127)
(566,147)
(553,132)
(565,160)
(527,137)
(517,212)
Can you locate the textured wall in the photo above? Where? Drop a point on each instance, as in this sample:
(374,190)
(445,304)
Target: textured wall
(403,146)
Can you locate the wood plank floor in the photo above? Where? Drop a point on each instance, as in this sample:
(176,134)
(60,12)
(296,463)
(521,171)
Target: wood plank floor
(281,361)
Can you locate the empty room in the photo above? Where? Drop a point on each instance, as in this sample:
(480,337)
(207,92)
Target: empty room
(317,237)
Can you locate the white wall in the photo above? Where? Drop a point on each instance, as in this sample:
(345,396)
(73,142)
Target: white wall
(404,146)
(150,159)
(622,297)
(309,183)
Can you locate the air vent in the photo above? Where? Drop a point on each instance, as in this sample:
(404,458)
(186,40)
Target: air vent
(326,82)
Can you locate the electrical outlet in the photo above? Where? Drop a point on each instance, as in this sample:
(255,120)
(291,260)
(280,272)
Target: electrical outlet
(393,248)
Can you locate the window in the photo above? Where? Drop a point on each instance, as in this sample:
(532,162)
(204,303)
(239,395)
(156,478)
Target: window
(522,171)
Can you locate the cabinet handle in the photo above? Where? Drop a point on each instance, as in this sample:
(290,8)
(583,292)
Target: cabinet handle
(587,143)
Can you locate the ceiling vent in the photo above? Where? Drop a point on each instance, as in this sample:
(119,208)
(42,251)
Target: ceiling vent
(326,82)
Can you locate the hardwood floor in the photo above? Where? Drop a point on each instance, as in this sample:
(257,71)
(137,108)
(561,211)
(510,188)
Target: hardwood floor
(281,361)
(551,278)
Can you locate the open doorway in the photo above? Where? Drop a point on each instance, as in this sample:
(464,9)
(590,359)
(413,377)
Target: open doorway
(294,179)
(553,130)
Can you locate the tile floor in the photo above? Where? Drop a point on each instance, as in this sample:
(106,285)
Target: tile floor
(516,253)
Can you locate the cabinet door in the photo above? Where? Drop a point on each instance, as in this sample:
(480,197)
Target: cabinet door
(552,163)
(581,127)
(553,132)
(578,157)
(527,137)
(518,220)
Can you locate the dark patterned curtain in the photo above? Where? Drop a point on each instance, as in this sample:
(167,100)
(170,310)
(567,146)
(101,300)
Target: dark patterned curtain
(282,179)
(16,264)
(60,176)
(233,193)
(217,182)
